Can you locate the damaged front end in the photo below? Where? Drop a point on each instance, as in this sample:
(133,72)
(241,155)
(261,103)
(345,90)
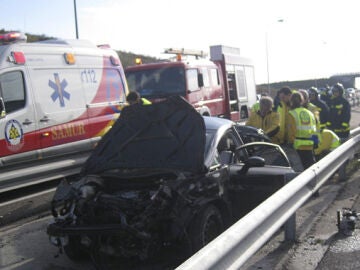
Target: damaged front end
(135,194)
(130,218)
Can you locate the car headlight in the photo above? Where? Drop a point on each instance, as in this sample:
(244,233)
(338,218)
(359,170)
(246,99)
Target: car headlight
(61,208)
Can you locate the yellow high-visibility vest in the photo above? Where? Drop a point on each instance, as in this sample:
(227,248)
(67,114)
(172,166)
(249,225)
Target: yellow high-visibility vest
(305,127)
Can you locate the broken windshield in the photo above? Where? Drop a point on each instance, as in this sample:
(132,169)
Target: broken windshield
(157,82)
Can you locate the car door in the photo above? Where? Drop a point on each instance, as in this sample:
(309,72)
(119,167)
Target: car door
(258,171)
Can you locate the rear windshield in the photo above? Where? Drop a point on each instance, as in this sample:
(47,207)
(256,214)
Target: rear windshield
(157,82)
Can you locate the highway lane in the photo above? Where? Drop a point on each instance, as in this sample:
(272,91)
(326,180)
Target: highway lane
(27,247)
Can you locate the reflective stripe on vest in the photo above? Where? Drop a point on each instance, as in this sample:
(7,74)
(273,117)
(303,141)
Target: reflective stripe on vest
(145,101)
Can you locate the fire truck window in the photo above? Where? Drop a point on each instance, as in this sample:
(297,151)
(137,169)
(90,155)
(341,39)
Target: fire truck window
(13,91)
(192,79)
(206,78)
(172,81)
(240,82)
(214,76)
(250,79)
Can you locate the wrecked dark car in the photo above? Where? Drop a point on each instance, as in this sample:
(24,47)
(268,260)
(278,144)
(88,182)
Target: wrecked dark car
(163,177)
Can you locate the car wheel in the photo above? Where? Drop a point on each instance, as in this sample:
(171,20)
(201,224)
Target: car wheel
(74,250)
(207,225)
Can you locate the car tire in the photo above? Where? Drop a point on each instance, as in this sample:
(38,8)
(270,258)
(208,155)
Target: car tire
(207,225)
(74,250)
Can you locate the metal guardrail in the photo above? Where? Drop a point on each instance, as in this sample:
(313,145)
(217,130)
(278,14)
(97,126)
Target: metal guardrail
(41,172)
(237,244)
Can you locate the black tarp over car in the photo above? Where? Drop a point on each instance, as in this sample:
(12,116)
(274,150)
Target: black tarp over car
(170,135)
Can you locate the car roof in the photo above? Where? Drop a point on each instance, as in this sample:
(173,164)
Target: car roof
(217,123)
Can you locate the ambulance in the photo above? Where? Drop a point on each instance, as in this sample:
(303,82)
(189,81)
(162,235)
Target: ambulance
(57,98)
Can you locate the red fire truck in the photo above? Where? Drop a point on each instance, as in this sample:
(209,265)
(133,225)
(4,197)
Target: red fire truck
(223,86)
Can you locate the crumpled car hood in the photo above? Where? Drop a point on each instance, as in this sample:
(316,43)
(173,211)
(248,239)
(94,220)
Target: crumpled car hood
(165,135)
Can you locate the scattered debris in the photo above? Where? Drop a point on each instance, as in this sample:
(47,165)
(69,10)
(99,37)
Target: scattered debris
(346,221)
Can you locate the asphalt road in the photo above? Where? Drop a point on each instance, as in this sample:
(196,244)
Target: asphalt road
(319,244)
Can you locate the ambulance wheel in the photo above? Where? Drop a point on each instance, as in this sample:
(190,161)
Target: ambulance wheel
(74,250)
(207,225)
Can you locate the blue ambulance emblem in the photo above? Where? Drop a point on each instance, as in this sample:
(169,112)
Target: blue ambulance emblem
(59,90)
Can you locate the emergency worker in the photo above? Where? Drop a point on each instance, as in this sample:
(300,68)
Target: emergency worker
(276,101)
(283,108)
(328,142)
(134,98)
(321,106)
(265,118)
(340,113)
(256,106)
(307,104)
(325,95)
(302,129)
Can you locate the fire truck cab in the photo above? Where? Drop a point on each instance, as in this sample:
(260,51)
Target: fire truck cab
(222,86)
(57,98)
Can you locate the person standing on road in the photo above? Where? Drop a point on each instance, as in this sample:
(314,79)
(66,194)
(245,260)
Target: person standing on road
(302,129)
(255,107)
(340,113)
(265,118)
(325,95)
(308,105)
(283,109)
(321,106)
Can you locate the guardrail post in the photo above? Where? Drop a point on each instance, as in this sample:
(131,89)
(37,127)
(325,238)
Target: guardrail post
(290,224)
(290,228)
(342,171)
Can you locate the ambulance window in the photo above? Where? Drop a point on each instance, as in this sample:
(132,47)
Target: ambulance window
(206,78)
(12,91)
(214,76)
(192,79)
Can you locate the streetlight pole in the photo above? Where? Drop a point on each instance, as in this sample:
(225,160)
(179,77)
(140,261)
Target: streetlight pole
(76,24)
(267,62)
(267,57)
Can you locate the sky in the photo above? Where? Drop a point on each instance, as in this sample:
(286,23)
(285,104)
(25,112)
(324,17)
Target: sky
(287,39)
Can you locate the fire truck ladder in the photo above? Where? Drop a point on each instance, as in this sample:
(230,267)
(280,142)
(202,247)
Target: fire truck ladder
(197,53)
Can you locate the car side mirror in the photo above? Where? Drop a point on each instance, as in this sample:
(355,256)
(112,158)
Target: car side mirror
(251,162)
(255,162)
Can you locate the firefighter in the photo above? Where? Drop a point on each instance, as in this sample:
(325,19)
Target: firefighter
(311,107)
(302,130)
(322,107)
(256,106)
(134,98)
(325,95)
(340,113)
(265,118)
(283,109)
(328,142)
(307,104)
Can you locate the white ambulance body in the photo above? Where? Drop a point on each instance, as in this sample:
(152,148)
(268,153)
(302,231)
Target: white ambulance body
(57,98)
